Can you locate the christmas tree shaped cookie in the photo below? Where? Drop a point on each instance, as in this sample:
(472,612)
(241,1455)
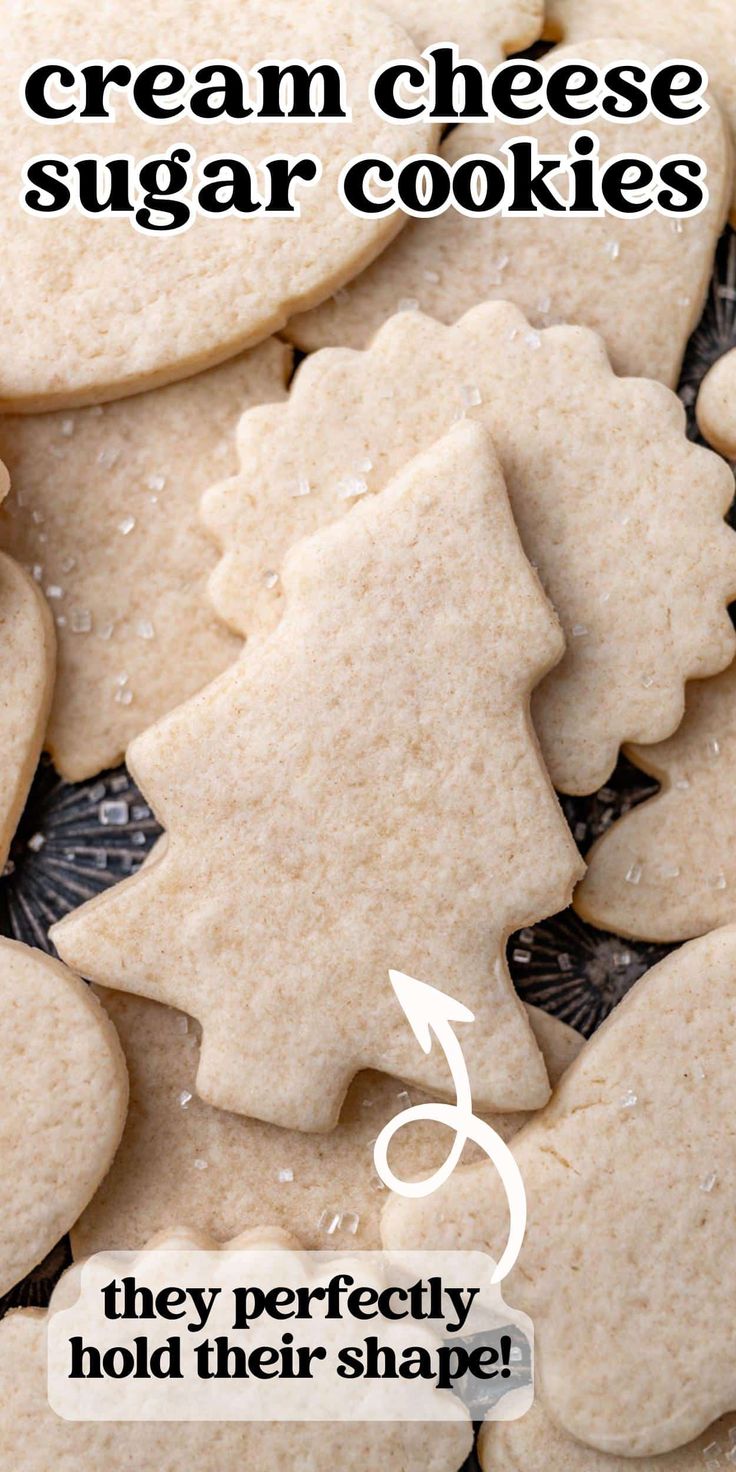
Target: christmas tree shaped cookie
(65,1093)
(603,272)
(700,30)
(363,790)
(632,1215)
(621,514)
(667,870)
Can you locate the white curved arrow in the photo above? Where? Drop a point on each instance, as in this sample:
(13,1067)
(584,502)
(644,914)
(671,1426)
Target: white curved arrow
(430,1011)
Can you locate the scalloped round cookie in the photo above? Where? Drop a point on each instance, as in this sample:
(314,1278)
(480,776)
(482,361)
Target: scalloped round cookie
(619,512)
(66,1092)
(93,308)
(34,1439)
(604,273)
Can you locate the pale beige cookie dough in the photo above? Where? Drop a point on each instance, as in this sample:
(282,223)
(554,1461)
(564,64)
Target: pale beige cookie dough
(535,1444)
(104,511)
(33,1438)
(361,791)
(667,870)
(95,309)
(181,1160)
(485,32)
(65,1093)
(632,1215)
(603,273)
(619,511)
(697,30)
(27,664)
(715,407)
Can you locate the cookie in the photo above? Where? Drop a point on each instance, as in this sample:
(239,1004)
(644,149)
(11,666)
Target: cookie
(535,1444)
(484,33)
(667,871)
(104,510)
(94,308)
(703,31)
(66,1092)
(27,664)
(632,1204)
(354,794)
(182,1161)
(715,407)
(592,464)
(604,273)
(33,1438)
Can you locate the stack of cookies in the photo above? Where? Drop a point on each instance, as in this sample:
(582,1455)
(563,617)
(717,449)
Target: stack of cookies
(369,550)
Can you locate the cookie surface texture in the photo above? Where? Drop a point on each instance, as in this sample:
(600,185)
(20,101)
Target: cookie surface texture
(368,812)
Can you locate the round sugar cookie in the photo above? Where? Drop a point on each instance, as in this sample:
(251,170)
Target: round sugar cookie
(65,1089)
(94,308)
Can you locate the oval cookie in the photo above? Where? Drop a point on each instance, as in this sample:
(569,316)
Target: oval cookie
(92,308)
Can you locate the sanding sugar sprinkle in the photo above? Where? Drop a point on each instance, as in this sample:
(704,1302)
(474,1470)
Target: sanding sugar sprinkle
(126,525)
(285,1174)
(351,487)
(200,1164)
(185,1098)
(113,813)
